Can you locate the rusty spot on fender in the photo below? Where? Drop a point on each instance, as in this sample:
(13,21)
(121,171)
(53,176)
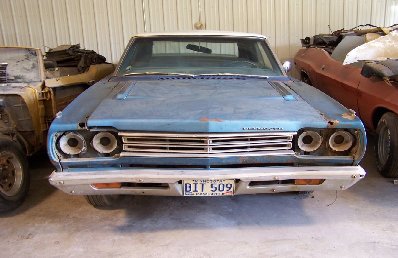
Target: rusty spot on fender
(206,119)
(350,114)
(333,123)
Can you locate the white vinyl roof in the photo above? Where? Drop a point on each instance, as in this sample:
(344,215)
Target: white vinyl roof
(202,33)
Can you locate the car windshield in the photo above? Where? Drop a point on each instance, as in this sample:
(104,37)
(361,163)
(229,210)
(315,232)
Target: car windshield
(19,65)
(199,55)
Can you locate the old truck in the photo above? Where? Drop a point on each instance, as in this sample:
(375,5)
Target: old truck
(33,89)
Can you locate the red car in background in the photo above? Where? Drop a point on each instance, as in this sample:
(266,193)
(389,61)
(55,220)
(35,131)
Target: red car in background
(370,88)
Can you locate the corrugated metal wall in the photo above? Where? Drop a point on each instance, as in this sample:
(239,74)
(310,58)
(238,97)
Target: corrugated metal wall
(107,25)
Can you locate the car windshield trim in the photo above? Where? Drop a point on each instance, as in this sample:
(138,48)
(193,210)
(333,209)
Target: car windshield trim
(177,56)
(234,74)
(159,73)
(199,75)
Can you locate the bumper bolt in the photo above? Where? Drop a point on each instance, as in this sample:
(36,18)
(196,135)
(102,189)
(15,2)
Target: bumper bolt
(276,178)
(354,176)
(342,187)
(273,190)
(140,180)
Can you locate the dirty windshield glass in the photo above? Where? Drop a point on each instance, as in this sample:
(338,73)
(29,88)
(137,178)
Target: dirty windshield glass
(199,55)
(19,65)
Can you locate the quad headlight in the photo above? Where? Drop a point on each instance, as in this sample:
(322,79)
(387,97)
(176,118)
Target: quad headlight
(72,143)
(309,141)
(104,142)
(341,141)
(87,144)
(326,142)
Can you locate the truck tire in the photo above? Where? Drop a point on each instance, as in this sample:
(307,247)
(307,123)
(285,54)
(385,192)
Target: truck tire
(387,145)
(102,201)
(14,176)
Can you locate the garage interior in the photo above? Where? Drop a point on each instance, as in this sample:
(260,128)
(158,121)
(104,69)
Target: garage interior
(358,222)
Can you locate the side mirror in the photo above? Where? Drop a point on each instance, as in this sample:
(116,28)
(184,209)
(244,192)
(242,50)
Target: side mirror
(287,66)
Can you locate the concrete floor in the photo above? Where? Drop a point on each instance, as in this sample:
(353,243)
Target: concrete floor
(362,222)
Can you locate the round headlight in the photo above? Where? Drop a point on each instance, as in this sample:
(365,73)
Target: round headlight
(104,142)
(341,141)
(72,143)
(309,141)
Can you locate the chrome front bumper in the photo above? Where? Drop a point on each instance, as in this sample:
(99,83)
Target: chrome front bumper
(80,183)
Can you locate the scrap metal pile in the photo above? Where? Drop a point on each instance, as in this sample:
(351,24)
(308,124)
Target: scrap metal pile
(374,48)
(330,41)
(74,56)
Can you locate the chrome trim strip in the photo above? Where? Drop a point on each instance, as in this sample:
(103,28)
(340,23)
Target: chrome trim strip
(213,135)
(208,155)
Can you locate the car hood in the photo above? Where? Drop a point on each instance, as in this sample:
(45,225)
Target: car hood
(204,105)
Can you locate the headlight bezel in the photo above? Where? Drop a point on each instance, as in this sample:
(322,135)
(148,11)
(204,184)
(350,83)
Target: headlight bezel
(89,151)
(325,149)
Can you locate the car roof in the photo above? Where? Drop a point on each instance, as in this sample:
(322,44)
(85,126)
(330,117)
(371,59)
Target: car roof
(202,33)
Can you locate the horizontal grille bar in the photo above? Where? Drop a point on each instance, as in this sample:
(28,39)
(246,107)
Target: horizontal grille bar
(3,72)
(206,145)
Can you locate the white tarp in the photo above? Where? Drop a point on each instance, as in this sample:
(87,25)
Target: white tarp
(378,49)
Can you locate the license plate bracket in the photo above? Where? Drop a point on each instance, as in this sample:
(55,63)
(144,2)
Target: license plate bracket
(208,187)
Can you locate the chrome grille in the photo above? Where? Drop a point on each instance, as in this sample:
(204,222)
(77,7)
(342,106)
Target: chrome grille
(202,145)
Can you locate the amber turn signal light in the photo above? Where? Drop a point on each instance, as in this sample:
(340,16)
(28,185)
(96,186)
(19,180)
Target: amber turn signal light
(107,185)
(308,181)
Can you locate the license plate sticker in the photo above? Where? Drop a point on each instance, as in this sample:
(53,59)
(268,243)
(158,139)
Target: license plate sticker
(208,187)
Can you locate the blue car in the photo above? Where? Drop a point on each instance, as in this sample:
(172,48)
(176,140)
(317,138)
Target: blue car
(203,113)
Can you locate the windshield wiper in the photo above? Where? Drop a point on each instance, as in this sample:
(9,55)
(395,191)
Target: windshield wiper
(234,74)
(159,73)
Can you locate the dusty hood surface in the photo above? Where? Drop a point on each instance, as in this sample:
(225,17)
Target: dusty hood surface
(204,105)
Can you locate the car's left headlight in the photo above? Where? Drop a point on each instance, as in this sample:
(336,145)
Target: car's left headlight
(327,142)
(341,141)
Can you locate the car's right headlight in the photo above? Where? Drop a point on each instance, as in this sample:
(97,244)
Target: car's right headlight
(72,143)
(104,142)
(87,144)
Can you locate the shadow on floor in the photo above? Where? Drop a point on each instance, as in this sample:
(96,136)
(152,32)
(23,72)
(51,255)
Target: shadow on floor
(146,213)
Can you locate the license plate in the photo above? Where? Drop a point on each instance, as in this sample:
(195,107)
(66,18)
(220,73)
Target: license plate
(209,187)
